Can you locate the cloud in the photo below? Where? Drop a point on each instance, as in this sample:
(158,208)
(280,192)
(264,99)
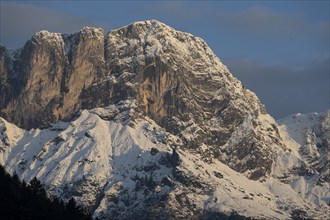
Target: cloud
(286,90)
(19,22)
(181,11)
(253,20)
(265,22)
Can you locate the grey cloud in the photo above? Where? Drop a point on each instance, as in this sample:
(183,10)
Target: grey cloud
(286,90)
(179,10)
(262,21)
(254,20)
(19,22)
(261,26)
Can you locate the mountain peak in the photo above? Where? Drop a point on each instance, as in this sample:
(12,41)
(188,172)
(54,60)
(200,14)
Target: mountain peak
(155,39)
(146,23)
(93,31)
(174,77)
(46,35)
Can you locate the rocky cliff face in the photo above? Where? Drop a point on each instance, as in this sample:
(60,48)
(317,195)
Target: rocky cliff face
(135,76)
(50,74)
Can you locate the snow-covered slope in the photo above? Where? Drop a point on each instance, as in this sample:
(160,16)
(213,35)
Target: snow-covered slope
(310,136)
(122,168)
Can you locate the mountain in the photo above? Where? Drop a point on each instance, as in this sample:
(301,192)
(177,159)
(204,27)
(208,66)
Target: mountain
(148,123)
(311,132)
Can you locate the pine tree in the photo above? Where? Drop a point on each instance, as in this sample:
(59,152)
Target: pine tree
(19,201)
(73,211)
(36,188)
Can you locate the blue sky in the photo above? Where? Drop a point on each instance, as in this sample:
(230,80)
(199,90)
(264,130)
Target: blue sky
(278,49)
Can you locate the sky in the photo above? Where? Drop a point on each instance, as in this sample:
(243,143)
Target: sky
(279,49)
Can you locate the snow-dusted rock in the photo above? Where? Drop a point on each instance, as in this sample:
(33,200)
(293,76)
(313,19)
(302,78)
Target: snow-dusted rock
(310,134)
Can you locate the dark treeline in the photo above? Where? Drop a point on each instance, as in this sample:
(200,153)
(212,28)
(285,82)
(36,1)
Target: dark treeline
(19,200)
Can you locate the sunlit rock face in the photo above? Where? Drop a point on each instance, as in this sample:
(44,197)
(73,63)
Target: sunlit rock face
(49,75)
